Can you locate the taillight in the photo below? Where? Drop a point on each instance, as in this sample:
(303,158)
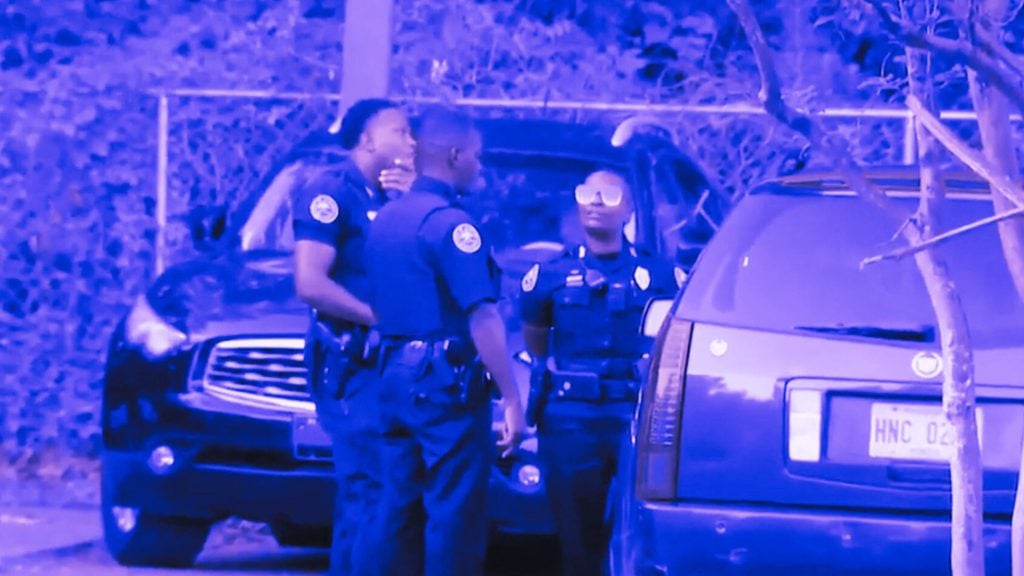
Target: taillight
(805,425)
(660,413)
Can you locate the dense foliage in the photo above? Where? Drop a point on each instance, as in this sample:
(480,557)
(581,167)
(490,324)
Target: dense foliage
(78,153)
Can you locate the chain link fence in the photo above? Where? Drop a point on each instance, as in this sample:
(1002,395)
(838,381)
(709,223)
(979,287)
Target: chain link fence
(216,147)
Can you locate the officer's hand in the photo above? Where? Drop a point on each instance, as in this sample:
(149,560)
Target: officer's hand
(513,431)
(399,176)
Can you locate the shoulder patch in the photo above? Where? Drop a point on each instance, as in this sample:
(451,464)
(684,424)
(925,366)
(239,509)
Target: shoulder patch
(324,209)
(530,279)
(642,277)
(466,238)
(680,276)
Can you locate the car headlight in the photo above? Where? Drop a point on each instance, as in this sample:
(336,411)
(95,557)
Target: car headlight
(146,329)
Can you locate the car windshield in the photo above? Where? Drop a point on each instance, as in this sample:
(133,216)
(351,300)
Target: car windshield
(792,263)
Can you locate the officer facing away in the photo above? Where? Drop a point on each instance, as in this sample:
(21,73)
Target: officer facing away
(332,213)
(434,289)
(585,307)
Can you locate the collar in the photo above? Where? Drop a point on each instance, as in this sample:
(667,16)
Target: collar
(625,256)
(355,176)
(435,186)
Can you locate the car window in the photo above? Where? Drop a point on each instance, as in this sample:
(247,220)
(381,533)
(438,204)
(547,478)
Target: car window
(787,261)
(269,226)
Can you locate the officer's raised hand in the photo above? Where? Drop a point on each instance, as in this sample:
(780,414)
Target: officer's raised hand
(399,176)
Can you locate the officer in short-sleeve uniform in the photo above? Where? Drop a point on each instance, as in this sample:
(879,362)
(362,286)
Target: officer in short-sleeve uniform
(583,395)
(429,269)
(335,208)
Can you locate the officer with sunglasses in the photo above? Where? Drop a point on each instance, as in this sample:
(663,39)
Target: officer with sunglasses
(581,316)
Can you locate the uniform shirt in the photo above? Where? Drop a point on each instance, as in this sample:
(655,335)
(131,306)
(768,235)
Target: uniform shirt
(429,266)
(594,305)
(335,207)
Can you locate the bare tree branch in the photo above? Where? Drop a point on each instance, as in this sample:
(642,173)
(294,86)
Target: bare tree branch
(975,161)
(961,51)
(771,97)
(958,396)
(921,85)
(908,250)
(998,50)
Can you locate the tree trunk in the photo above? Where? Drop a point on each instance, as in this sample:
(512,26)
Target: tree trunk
(958,394)
(968,557)
(993,111)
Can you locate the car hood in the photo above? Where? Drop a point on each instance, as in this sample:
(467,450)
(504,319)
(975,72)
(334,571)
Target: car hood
(231,294)
(244,294)
(254,293)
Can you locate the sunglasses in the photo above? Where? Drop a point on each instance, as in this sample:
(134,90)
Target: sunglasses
(611,196)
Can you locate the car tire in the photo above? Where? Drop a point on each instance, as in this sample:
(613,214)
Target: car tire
(142,539)
(292,535)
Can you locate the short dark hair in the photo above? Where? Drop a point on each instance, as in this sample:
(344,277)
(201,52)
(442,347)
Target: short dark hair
(443,126)
(354,123)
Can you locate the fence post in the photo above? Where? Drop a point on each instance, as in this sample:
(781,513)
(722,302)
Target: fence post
(161,184)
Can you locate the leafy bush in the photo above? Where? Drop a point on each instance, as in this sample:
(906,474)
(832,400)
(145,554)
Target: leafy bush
(78,158)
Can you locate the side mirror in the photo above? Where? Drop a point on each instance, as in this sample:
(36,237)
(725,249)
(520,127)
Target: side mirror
(654,316)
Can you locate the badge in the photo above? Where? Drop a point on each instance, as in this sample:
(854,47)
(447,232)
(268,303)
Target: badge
(530,279)
(466,238)
(324,209)
(642,277)
(680,277)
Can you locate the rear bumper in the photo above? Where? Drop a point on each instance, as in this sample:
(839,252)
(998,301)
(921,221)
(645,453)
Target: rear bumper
(685,538)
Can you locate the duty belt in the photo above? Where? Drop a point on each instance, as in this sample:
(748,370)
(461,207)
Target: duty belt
(457,351)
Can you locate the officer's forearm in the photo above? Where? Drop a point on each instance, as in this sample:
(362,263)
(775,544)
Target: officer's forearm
(487,329)
(334,300)
(536,338)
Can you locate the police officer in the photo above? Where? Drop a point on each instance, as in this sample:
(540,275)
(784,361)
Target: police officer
(332,213)
(434,289)
(585,307)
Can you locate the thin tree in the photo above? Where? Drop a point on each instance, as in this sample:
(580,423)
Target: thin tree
(958,380)
(995,76)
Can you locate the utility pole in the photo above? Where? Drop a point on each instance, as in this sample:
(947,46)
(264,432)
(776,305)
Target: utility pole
(366,52)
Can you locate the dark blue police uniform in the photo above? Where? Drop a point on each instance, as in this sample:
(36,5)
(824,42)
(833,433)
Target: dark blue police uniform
(335,206)
(583,401)
(429,269)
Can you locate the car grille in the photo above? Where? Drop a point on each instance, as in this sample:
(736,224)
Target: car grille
(263,371)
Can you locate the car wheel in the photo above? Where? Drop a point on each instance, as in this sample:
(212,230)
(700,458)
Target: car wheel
(291,535)
(135,538)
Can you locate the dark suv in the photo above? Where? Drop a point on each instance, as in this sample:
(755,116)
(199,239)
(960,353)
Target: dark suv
(205,409)
(791,422)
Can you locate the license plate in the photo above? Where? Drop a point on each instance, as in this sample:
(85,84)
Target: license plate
(309,440)
(912,432)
